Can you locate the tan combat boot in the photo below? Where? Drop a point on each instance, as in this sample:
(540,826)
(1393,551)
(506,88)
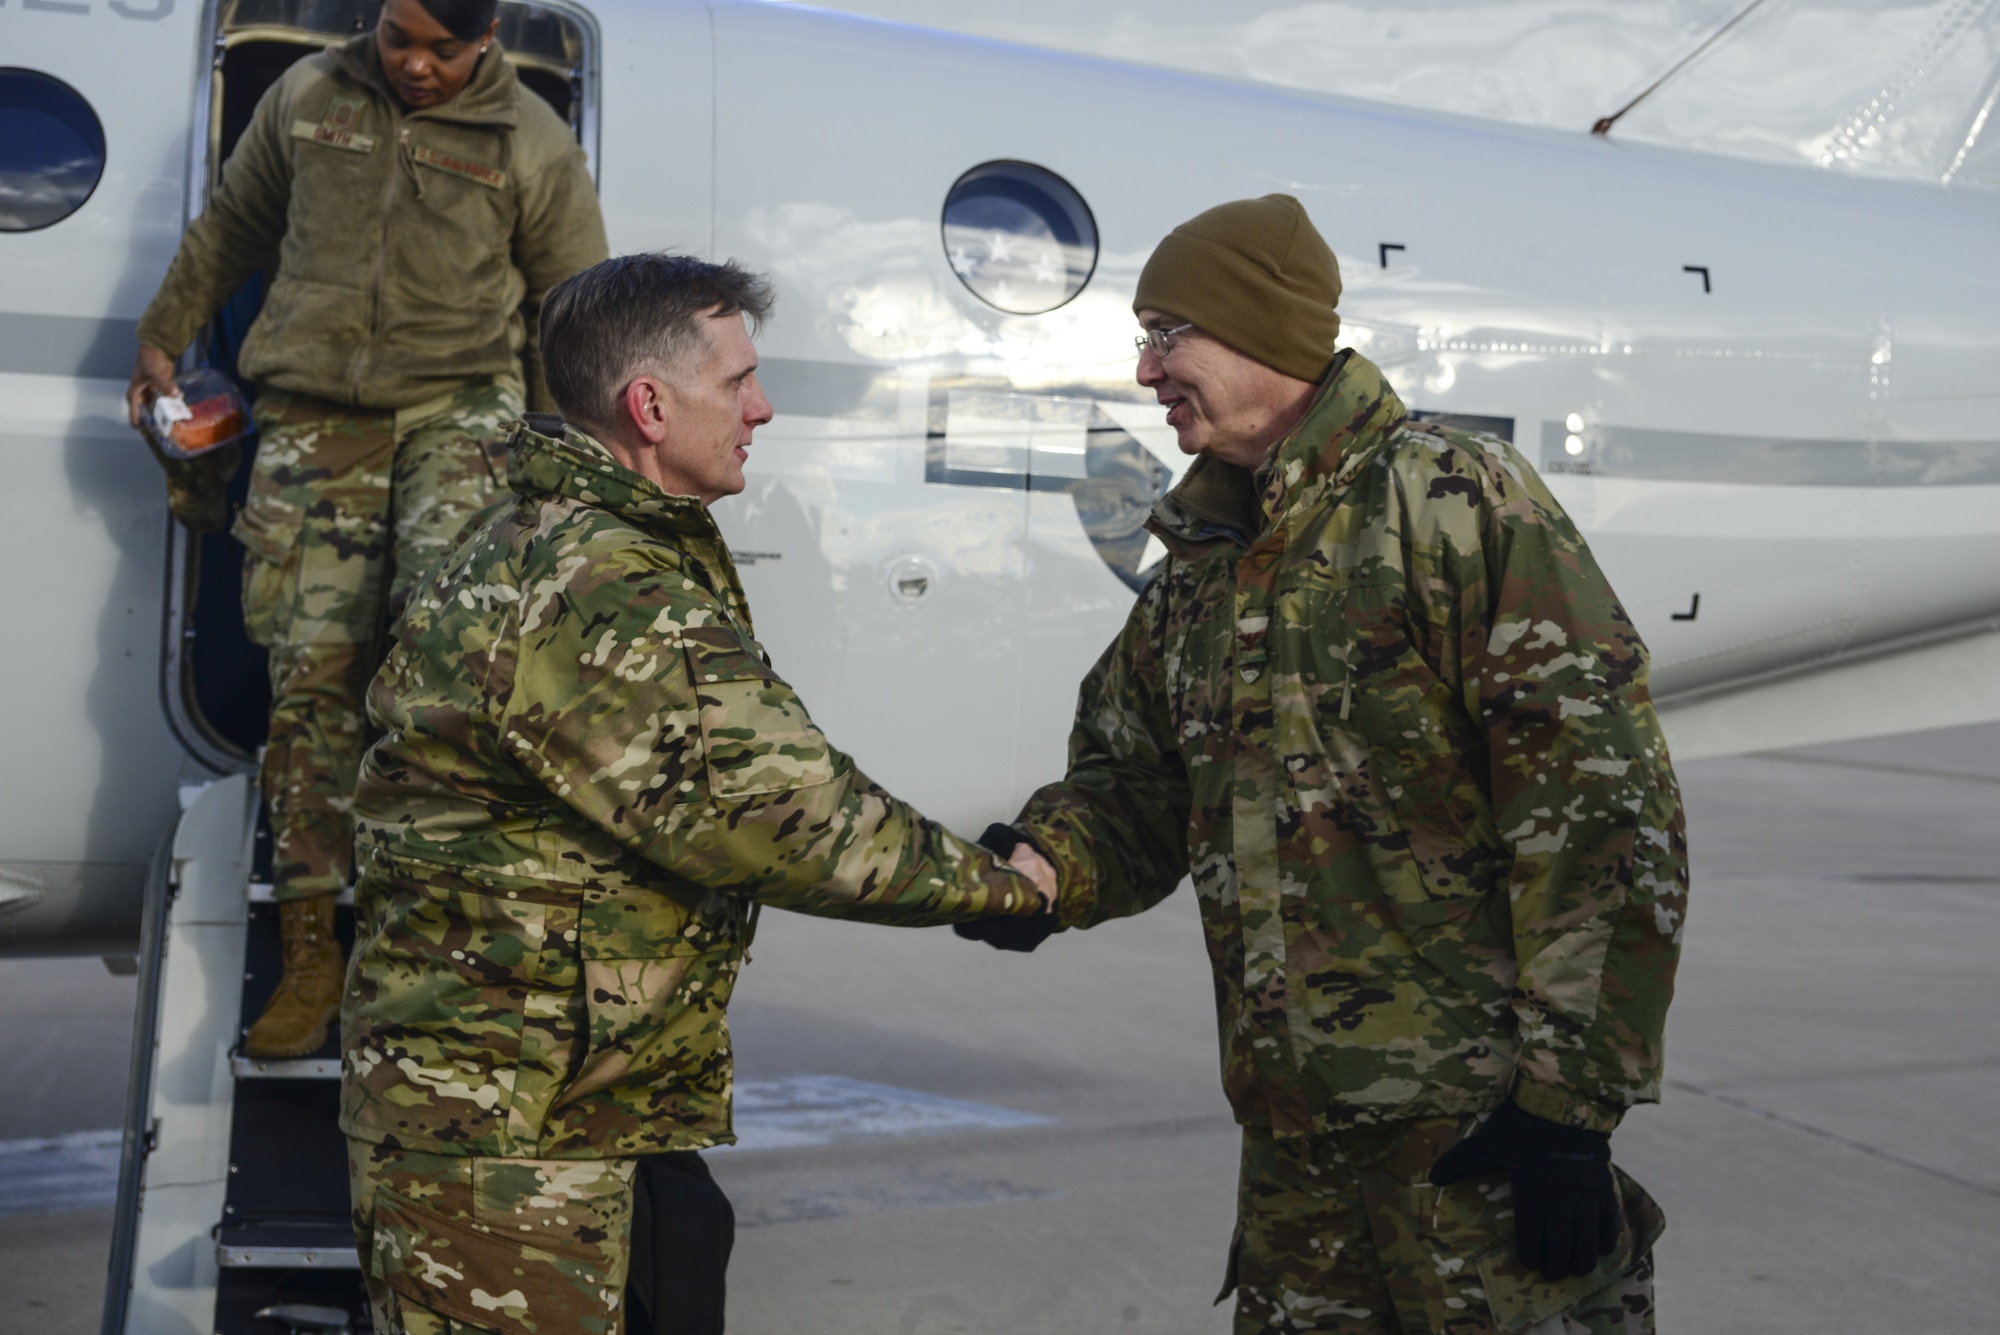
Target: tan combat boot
(308,997)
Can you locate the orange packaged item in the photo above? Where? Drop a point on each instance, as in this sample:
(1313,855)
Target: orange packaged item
(206,414)
(210,422)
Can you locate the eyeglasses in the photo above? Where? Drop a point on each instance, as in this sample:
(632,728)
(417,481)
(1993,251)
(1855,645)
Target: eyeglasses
(1159,340)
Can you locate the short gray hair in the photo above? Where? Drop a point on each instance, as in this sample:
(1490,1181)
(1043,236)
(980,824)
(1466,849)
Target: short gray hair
(632,315)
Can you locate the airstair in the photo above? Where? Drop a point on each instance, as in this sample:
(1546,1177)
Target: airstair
(232,1212)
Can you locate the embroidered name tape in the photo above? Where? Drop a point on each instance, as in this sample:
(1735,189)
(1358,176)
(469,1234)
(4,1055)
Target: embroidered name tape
(345,139)
(445,162)
(336,127)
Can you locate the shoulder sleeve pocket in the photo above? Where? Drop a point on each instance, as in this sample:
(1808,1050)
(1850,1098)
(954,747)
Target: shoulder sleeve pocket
(756,738)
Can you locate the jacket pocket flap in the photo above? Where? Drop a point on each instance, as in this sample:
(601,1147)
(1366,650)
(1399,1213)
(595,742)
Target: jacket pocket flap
(467,1273)
(758,739)
(1520,1297)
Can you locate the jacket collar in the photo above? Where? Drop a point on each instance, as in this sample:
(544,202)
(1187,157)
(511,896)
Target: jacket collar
(491,97)
(576,467)
(1219,504)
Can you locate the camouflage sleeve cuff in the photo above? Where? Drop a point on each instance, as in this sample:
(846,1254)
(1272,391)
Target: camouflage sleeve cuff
(988,842)
(1565,1108)
(1074,908)
(1009,893)
(1075,904)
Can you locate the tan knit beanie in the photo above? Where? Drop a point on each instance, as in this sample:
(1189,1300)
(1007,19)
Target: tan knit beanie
(1256,274)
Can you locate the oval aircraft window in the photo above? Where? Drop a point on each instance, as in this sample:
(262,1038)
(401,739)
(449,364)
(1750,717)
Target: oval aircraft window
(1019,237)
(51,150)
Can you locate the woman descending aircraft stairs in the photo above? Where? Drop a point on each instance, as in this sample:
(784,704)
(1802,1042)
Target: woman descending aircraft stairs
(414,154)
(444,167)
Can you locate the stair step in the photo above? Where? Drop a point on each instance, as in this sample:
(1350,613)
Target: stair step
(283,1068)
(261,892)
(287,1245)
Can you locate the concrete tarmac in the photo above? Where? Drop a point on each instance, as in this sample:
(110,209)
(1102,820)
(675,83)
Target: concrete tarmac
(65,1032)
(1824,1151)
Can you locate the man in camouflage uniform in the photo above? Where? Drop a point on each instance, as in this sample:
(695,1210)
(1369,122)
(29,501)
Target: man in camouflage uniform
(411,201)
(590,778)
(1382,703)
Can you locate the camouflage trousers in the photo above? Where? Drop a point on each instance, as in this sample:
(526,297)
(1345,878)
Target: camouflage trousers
(452,1244)
(348,511)
(1344,1233)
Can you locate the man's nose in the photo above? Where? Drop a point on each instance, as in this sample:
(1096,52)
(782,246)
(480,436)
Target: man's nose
(1152,368)
(758,410)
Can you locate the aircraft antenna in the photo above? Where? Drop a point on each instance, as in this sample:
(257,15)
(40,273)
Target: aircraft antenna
(1604,123)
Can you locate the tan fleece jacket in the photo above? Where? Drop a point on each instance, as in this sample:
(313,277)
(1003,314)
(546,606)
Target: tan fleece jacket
(409,251)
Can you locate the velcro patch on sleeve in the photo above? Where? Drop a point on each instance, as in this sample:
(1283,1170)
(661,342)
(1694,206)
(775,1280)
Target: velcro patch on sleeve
(457,166)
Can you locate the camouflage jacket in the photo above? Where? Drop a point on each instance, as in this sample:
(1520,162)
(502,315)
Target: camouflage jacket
(408,251)
(1384,706)
(589,776)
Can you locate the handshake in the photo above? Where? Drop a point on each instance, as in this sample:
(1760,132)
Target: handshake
(1006,843)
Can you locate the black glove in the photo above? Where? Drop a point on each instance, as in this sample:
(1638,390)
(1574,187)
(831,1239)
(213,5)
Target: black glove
(1022,934)
(1565,1204)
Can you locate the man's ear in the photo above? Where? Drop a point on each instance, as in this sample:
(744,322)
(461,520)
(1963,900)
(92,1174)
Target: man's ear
(646,408)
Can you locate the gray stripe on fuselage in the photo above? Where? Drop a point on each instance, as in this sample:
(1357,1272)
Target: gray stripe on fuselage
(829,389)
(1771,461)
(103,349)
(67,345)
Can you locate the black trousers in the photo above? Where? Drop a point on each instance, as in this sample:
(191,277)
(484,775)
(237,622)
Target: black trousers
(683,1230)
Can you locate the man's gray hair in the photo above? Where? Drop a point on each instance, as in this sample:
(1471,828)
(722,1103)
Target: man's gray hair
(636,315)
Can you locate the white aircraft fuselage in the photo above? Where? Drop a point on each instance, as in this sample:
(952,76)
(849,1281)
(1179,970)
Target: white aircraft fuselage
(1766,394)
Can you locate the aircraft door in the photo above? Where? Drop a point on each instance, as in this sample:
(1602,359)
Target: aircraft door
(93,150)
(1733,408)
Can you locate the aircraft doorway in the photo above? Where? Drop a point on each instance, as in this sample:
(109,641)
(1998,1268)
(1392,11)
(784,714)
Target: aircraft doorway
(215,685)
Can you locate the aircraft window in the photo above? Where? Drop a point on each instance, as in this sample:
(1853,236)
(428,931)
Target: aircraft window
(1019,237)
(51,150)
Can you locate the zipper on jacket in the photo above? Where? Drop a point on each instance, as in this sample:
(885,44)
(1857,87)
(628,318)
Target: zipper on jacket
(400,149)
(408,160)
